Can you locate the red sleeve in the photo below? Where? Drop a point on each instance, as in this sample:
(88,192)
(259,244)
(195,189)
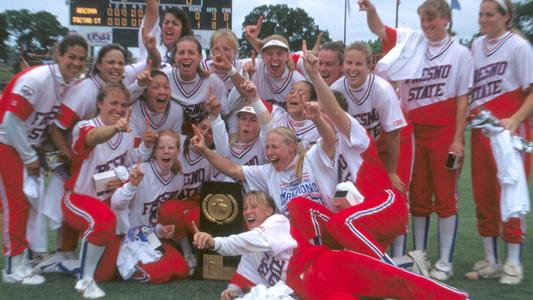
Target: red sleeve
(241,281)
(66,117)
(267,105)
(8,92)
(391,39)
(19,106)
(79,146)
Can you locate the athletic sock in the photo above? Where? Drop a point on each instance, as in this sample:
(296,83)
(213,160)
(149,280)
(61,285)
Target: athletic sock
(398,246)
(490,243)
(185,246)
(514,251)
(13,262)
(447,234)
(90,258)
(420,232)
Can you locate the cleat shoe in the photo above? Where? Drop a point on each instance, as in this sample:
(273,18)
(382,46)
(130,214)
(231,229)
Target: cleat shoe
(441,271)
(485,269)
(69,267)
(421,263)
(23,275)
(88,289)
(191,262)
(512,274)
(49,265)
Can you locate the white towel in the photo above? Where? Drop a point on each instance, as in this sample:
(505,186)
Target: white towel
(514,195)
(133,252)
(52,201)
(36,235)
(406,59)
(135,248)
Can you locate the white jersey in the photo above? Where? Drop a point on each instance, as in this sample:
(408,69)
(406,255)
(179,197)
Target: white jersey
(375,104)
(171,118)
(167,56)
(36,99)
(319,179)
(447,73)
(196,169)
(502,72)
(304,130)
(246,154)
(141,206)
(90,160)
(349,151)
(265,250)
(238,64)
(80,101)
(191,95)
(274,90)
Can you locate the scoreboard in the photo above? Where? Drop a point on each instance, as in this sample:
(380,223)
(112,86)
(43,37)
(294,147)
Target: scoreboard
(205,15)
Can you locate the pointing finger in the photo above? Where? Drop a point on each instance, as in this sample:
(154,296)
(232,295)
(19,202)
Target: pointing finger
(194,227)
(253,58)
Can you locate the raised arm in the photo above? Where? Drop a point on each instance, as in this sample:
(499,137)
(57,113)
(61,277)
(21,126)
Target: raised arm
(251,33)
(221,163)
(325,95)
(101,134)
(151,14)
(372,18)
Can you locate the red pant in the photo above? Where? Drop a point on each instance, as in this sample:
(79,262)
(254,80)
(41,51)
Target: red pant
(430,177)
(170,265)
(15,206)
(90,216)
(486,188)
(181,213)
(320,273)
(367,228)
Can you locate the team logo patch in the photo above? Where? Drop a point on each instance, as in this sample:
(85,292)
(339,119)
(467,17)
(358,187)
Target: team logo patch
(27,91)
(397,123)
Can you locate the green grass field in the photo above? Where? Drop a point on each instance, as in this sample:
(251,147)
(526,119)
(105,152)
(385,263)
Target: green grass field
(468,250)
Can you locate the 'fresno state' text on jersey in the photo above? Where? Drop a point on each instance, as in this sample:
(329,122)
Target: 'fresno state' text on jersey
(374,104)
(502,72)
(271,269)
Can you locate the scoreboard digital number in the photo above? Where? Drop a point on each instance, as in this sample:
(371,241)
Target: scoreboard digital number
(203,14)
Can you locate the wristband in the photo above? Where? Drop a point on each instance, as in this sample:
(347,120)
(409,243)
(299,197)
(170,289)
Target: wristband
(233,71)
(258,106)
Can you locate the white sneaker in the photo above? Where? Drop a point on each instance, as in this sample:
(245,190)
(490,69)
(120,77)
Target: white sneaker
(485,269)
(512,274)
(421,263)
(88,289)
(441,271)
(49,265)
(23,275)
(191,262)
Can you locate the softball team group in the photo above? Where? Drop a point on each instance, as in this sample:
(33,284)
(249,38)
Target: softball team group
(137,141)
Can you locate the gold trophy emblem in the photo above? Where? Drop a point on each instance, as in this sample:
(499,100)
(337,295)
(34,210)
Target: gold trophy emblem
(220,209)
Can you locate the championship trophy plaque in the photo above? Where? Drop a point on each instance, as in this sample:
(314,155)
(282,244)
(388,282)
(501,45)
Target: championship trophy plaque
(221,215)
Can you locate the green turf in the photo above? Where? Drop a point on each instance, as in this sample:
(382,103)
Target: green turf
(468,250)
